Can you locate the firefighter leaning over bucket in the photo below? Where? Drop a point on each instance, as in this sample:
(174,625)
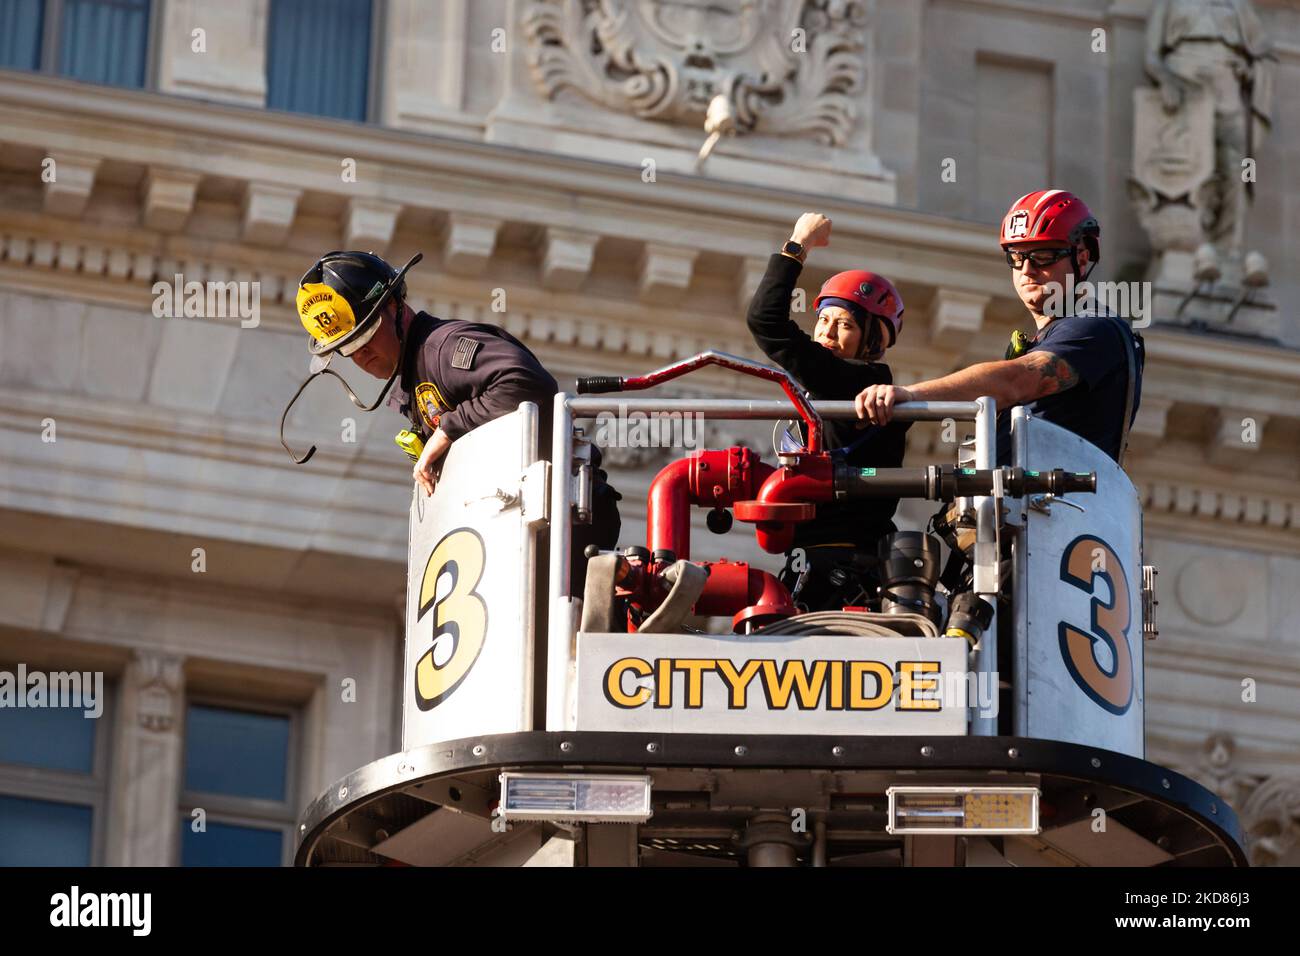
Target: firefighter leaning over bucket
(452,376)
(1083,368)
(859,316)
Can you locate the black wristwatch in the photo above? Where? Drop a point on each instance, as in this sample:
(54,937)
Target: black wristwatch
(794,249)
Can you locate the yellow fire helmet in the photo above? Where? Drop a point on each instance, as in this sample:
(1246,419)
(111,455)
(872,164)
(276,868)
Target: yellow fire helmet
(339,300)
(326,314)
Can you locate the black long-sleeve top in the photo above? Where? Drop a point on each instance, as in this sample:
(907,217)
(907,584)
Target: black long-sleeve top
(828,377)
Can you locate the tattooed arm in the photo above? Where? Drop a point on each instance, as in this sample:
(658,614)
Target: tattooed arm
(1013,382)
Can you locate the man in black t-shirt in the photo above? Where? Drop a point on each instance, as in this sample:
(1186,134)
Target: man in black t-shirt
(1076,371)
(1091,346)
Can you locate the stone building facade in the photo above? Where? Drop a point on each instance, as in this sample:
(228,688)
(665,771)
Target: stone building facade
(543,156)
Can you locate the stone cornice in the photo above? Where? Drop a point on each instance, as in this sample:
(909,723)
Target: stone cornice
(458,175)
(1203,351)
(1025,8)
(1229,659)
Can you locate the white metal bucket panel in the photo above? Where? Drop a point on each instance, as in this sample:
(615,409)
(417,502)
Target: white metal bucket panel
(815,684)
(469,591)
(1079,575)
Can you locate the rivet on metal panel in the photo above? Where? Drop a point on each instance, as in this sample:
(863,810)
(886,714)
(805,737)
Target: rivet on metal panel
(652,747)
(343,793)
(742,750)
(479,750)
(1214,809)
(1013,753)
(566,746)
(837,751)
(1096,762)
(1165,783)
(927,751)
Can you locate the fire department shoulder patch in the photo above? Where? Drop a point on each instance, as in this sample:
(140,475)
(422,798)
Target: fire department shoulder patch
(430,403)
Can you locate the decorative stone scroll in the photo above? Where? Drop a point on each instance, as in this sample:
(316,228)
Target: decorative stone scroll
(789,67)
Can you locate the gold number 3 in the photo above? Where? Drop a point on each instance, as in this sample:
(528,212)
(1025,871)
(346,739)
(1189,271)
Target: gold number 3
(460,616)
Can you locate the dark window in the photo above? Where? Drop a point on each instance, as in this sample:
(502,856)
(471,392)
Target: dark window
(53,768)
(99,41)
(44,833)
(20,33)
(56,738)
(236,752)
(225,844)
(237,804)
(318,57)
(104,41)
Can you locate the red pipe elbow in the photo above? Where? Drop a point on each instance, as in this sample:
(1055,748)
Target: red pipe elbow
(668,510)
(768,601)
(747,593)
(812,480)
(710,479)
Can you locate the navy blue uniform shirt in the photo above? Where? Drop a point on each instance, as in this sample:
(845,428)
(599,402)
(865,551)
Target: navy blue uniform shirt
(1094,408)
(460,375)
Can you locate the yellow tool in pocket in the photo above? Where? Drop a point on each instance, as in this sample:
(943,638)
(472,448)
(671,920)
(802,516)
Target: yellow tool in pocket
(411,443)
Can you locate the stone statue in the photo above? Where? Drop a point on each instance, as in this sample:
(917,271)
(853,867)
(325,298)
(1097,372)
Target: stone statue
(1197,132)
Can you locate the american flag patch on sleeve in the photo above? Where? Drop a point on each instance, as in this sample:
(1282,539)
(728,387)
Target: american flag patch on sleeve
(464,354)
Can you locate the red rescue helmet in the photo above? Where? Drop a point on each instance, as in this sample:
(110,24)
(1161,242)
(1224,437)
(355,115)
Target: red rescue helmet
(1052,214)
(870,291)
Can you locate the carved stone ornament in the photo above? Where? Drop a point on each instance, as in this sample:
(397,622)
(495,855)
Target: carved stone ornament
(1272,815)
(1174,188)
(158,688)
(788,67)
(1269,808)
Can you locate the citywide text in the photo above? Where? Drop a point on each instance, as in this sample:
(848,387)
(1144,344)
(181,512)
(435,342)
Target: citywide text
(808,685)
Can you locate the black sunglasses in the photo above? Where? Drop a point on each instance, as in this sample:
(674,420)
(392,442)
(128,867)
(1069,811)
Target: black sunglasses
(1038,258)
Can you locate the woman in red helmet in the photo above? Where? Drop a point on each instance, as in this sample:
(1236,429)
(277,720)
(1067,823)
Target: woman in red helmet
(859,316)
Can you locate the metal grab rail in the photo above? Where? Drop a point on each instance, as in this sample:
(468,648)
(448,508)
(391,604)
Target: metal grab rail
(561,629)
(740,409)
(635,383)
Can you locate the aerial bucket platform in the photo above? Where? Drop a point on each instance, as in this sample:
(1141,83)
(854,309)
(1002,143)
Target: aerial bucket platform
(540,729)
